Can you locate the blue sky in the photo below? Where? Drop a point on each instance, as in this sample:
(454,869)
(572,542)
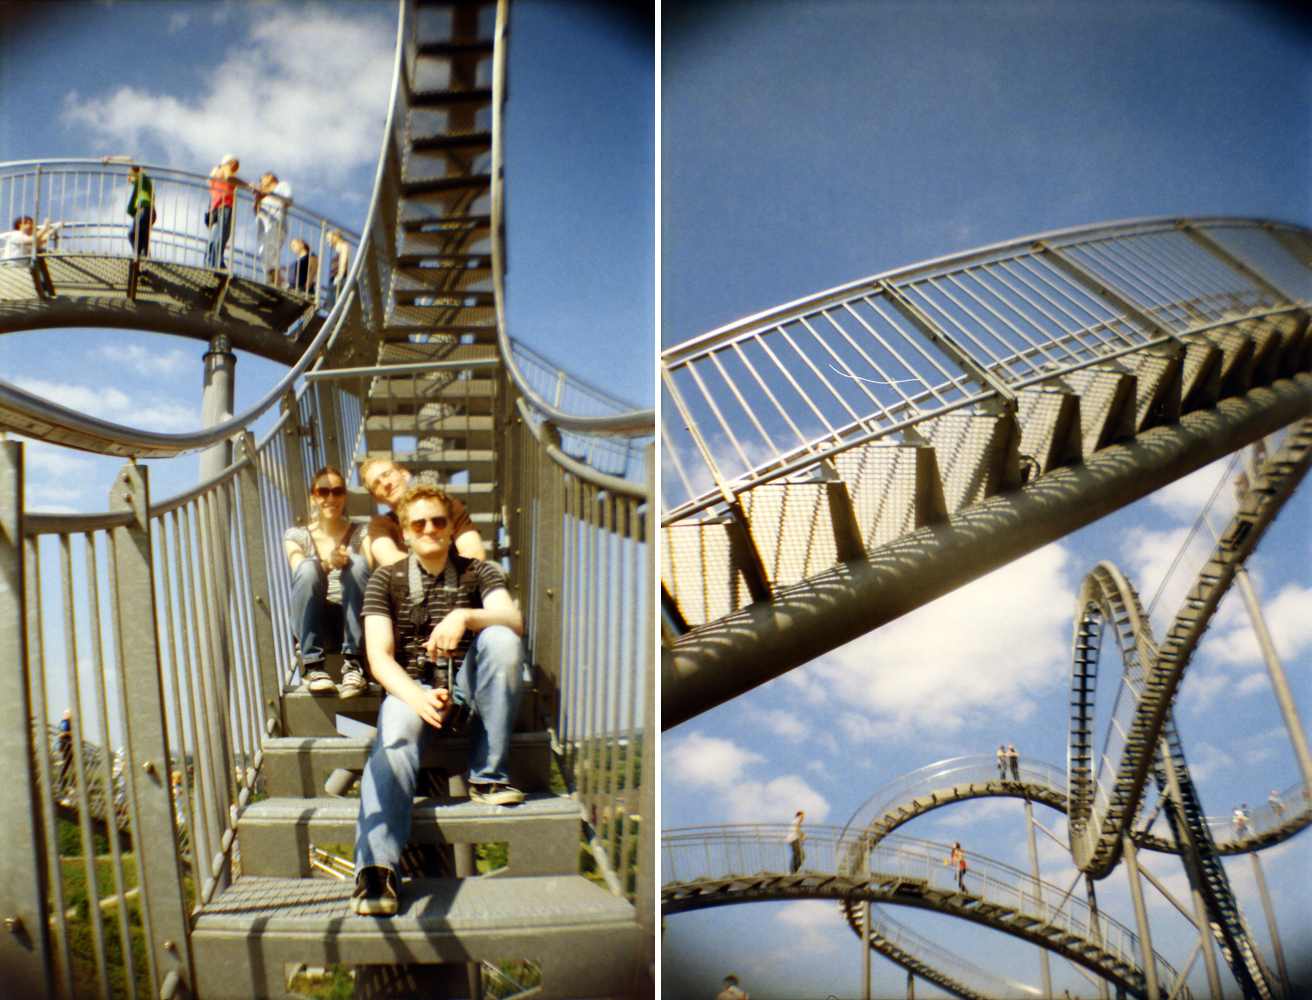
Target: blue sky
(301,88)
(805,146)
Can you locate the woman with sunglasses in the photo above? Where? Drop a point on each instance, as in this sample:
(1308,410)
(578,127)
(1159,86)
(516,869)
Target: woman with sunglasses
(329,574)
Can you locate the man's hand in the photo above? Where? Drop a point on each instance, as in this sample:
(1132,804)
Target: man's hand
(432,704)
(448,633)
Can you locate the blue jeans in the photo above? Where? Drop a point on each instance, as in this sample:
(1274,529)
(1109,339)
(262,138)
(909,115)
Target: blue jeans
(220,230)
(319,625)
(491,680)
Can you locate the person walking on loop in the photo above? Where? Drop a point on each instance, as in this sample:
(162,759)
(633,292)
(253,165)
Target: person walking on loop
(958,860)
(794,840)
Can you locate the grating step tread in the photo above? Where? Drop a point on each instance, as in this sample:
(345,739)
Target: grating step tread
(264,905)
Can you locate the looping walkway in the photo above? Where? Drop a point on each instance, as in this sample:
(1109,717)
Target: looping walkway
(712,866)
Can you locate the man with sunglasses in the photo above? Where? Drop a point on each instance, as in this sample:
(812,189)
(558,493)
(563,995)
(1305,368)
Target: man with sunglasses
(443,638)
(387,482)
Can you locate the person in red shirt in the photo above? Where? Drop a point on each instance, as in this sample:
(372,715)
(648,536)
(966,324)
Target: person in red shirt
(223,189)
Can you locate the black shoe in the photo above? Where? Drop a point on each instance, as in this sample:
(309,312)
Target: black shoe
(375,892)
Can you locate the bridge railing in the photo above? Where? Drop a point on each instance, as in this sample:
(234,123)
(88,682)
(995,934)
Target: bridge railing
(87,200)
(711,854)
(772,395)
(977,769)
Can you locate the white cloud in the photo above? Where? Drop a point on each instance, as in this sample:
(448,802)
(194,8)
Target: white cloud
(786,725)
(115,405)
(706,760)
(1185,497)
(304,93)
(721,766)
(153,363)
(993,645)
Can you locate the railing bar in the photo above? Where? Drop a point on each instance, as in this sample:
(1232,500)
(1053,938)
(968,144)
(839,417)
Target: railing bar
(879,338)
(168,596)
(1176,288)
(576,645)
(974,293)
(129,770)
(715,409)
(1016,283)
(916,294)
(877,305)
(248,673)
(893,384)
(111,797)
(611,640)
(788,339)
(671,451)
(747,406)
(242,641)
(197,703)
(1116,270)
(82,791)
(216,680)
(45,779)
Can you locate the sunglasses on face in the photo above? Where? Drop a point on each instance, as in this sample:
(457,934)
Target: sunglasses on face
(330,491)
(420,523)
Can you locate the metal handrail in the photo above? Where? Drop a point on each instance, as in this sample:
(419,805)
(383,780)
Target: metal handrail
(695,855)
(869,359)
(634,423)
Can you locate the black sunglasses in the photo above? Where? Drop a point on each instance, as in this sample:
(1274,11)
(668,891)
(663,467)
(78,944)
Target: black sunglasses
(330,491)
(419,523)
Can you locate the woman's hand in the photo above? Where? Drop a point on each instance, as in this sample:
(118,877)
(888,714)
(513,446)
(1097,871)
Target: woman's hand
(340,558)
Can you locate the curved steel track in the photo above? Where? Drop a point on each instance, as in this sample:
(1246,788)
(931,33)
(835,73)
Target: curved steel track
(729,865)
(848,458)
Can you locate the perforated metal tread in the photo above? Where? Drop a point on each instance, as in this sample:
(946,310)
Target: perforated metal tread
(541,833)
(585,939)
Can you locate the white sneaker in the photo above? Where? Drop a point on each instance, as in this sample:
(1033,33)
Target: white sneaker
(318,681)
(353,682)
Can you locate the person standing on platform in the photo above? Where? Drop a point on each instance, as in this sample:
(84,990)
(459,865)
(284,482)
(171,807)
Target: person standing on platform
(1013,758)
(958,860)
(794,839)
(18,242)
(223,191)
(272,197)
(1002,762)
(141,205)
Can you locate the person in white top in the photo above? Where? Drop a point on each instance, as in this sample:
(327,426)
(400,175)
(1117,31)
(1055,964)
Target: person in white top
(18,243)
(794,839)
(272,197)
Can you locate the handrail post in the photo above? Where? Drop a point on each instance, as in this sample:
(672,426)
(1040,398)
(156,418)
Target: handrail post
(132,588)
(257,574)
(24,942)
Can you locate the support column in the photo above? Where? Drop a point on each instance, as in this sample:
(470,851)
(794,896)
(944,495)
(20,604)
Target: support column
(865,956)
(1097,930)
(216,402)
(1271,921)
(24,940)
(1141,917)
(1284,697)
(1038,894)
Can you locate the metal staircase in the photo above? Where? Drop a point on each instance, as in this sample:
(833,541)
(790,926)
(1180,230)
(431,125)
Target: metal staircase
(1206,874)
(414,362)
(436,403)
(838,461)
